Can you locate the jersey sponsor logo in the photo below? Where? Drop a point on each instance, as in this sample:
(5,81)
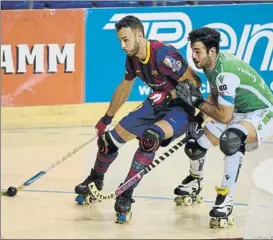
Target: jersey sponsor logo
(251,75)
(247,72)
(240,43)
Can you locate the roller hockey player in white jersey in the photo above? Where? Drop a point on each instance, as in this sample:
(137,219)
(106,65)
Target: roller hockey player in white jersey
(240,104)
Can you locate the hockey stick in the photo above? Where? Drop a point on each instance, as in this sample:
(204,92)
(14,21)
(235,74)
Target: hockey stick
(102,196)
(41,173)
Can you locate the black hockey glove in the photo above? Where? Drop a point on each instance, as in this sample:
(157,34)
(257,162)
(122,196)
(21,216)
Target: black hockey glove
(188,93)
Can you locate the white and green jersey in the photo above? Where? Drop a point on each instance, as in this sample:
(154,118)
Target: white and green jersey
(237,83)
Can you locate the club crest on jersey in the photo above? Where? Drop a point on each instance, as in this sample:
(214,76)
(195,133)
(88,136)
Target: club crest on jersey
(154,73)
(221,78)
(172,63)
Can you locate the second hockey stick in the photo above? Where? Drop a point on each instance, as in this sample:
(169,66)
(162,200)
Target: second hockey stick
(41,173)
(102,196)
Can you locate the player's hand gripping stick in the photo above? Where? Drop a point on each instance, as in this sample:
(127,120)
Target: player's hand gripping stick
(103,123)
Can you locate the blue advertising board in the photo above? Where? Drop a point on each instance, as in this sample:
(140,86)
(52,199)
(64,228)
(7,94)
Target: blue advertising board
(246,31)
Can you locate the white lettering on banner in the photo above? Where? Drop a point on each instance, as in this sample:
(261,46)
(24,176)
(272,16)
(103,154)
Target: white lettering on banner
(205,88)
(153,22)
(26,57)
(65,56)
(242,44)
(258,32)
(144,90)
(6,59)
(271,86)
(244,49)
(36,55)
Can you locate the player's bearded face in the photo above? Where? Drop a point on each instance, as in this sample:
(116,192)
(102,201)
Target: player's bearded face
(129,41)
(135,48)
(200,56)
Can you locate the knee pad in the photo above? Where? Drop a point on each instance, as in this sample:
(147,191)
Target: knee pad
(150,140)
(194,151)
(232,141)
(106,144)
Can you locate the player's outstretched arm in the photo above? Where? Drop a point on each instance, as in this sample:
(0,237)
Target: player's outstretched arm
(221,113)
(120,96)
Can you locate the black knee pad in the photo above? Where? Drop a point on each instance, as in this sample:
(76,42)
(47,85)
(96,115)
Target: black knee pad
(194,151)
(150,140)
(232,141)
(106,144)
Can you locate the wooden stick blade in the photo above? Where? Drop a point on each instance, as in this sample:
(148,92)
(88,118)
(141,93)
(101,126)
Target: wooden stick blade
(99,195)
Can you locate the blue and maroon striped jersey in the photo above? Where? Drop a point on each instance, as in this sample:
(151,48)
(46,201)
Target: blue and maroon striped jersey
(162,68)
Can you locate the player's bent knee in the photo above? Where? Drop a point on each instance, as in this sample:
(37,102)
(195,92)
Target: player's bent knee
(194,151)
(106,144)
(232,141)
(150,140)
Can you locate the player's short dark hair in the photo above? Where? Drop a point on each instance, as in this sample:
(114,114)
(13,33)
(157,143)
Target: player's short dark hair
(131,22)
(208,36)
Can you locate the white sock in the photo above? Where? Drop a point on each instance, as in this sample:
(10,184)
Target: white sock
(232,167)
(196,166)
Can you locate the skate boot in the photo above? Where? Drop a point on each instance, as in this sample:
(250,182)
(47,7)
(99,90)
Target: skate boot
(83,191)
(189,191)
(123,207)
(220,215)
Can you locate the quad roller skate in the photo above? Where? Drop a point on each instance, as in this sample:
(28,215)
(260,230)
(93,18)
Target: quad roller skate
(189,191)
(123,207)
(220,215)
(83,191)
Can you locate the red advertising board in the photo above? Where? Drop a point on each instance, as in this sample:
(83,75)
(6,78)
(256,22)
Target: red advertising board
(42,57)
